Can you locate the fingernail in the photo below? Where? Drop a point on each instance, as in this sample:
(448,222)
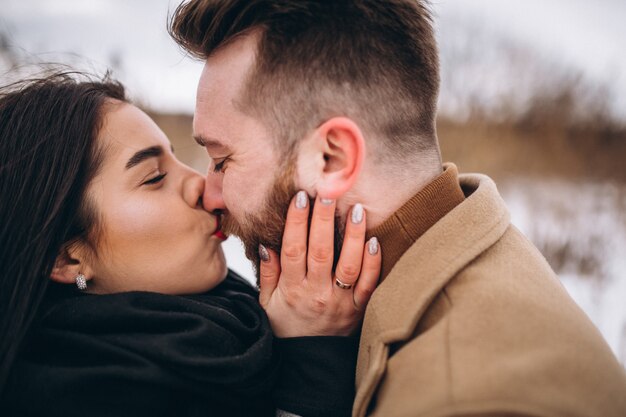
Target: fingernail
(301,199)
(372,246)
(263,253)
(326,201)
(357,213)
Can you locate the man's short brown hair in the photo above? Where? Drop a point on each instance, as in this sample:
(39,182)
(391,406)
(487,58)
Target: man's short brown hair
(375,62)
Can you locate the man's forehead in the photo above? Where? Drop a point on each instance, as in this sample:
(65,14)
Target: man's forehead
(217,98)
(225,72)
(239,50)
(219,123)
(215,127)
(213,121)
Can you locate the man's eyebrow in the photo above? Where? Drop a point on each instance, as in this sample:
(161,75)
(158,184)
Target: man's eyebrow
(142,155)
(209,142)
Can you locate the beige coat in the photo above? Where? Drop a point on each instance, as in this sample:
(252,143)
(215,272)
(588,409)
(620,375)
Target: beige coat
(472,321)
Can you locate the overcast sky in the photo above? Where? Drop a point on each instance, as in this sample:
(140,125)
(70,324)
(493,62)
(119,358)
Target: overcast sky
(582,34)
(589,34)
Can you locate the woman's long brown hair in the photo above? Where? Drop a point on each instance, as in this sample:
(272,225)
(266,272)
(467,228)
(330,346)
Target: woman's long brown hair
(48,156)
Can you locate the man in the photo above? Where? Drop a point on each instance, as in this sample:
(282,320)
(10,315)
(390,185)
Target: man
(338,98)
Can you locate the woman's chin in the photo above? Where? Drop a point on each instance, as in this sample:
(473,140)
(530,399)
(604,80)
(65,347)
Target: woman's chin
(218,267)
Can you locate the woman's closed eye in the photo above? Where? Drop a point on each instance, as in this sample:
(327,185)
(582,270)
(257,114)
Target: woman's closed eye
(155,179)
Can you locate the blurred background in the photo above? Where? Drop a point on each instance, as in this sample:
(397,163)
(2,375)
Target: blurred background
(533,94)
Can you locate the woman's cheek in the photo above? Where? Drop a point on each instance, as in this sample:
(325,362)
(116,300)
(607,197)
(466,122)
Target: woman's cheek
(138,221)
(135,227)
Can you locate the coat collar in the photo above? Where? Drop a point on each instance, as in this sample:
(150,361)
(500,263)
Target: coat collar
(398,232)
(427,266)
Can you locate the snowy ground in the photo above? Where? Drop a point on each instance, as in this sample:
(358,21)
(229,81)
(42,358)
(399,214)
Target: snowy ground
(581,229)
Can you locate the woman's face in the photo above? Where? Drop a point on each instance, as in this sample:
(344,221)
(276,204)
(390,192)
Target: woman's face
(152,232)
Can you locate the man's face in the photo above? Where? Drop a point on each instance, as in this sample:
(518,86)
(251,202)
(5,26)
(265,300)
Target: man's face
(249,179)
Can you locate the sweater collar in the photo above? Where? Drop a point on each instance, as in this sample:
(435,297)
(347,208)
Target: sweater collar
(398,232)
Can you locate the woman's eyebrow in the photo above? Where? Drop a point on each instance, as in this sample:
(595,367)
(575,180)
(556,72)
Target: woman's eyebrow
(142,155)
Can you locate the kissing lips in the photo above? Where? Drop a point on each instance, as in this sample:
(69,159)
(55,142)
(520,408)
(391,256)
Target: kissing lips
(218,230)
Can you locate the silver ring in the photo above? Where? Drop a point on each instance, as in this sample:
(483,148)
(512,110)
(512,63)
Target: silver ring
(342,285)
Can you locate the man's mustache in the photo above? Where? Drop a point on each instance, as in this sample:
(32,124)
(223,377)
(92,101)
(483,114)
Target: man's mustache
(229,225)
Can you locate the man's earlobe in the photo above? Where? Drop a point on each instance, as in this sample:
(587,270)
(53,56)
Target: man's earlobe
(343,153)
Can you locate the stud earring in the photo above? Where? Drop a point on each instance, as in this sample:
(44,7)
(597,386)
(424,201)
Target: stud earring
(81,282)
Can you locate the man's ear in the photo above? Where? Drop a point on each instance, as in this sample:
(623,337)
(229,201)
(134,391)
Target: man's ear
(69,264)
(334,157)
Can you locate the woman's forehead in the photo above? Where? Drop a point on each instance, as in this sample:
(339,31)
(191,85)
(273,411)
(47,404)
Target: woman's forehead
(126,129)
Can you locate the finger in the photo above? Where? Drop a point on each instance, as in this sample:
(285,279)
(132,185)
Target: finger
(370,273)
(294,245)
(349,265)
(269,274)
(321,243)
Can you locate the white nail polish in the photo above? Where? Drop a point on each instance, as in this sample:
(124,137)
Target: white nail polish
(263,253)
(326,201)
(357,213)
(301,199)
(372,246)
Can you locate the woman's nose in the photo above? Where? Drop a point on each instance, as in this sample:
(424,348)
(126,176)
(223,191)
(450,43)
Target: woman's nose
(212,198)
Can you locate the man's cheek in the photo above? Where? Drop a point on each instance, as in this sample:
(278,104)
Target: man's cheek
(232,202)
(236,197)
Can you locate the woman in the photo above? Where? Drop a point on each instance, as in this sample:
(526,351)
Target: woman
(115,296)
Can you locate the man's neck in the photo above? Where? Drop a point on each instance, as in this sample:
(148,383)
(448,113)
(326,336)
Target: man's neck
(381,196)
(415,215)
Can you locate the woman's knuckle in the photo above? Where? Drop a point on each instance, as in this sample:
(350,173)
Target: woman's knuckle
(297,219)
(266,276)
(350,271)
(320,253)
(364,293)
(266,272)
(290,299)
(355,237)
(324,215)
(293,252)
(371,268)
(319,304)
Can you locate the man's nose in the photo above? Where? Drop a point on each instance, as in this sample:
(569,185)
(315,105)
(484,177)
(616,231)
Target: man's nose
(213,199)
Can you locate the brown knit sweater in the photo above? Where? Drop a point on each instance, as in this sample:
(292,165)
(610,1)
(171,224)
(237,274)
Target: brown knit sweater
(416,216)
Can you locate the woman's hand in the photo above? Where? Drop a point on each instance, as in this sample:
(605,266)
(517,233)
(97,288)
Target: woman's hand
(301,294)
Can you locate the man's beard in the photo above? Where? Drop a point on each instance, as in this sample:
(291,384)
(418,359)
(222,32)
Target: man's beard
(267,226)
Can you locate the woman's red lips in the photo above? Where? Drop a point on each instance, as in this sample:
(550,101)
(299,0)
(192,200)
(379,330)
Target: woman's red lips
(218,230)
(220,235)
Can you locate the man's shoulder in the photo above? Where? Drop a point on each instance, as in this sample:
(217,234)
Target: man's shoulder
(508,305)
(473,318)
(503,334)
